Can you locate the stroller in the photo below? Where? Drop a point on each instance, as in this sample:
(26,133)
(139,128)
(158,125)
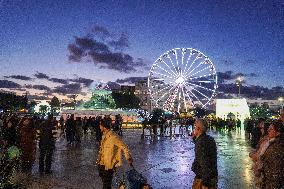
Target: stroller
(132,179)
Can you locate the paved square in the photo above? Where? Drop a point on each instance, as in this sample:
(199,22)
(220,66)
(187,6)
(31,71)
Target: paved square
(165,162)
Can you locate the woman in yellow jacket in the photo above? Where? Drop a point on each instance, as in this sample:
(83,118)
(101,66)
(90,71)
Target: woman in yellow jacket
(110,153)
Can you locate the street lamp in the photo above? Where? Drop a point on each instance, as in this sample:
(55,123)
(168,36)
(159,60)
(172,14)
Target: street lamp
(280,99)
(239,83)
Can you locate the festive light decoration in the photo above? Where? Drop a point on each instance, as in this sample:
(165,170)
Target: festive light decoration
(260,112)
(182,78)
(42,107)
(101,98)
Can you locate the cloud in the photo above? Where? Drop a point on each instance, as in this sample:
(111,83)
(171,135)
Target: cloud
(100,30)
(41,76)
(224,76)
(41,87)
(9,84)
(131,80)
(86,82)
(113,85)
(38,87)
(57,80)
(39,97)
(74,88)
(106,54)
(19,77)
(250,91)
(228,75)
(121,43)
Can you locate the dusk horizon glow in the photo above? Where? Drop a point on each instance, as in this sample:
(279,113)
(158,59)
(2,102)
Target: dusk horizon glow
(51,47)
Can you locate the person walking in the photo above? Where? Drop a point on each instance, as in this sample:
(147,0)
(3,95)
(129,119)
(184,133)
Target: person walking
(46,145)
(205,162)
(70,129)
(27,138)
(110,153)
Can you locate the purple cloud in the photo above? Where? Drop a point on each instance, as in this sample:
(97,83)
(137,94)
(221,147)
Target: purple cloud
(74,88)
(9,84)
(86,82)
(106,54)
(62,81)
(41,87)
(41,76)
(19,77)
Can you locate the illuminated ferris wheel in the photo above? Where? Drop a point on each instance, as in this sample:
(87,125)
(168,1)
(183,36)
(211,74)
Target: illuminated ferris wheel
(181,79)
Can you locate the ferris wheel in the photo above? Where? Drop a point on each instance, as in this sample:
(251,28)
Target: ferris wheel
(182,78)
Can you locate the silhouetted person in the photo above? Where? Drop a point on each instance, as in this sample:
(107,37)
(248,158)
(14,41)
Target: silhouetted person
(46,145)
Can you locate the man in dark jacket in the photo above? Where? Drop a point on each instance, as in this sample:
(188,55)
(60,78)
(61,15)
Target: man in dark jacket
(46,145)
(205,162)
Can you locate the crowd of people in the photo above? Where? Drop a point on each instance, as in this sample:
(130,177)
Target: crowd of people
(161,127)
(22,137)
(18,138)
(268,154)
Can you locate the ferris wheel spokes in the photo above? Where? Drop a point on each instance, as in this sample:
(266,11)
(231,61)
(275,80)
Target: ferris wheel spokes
(194,68)
(188,58)
(165,76)
(163,88)
(165,94)
(182,77)
(172,64)
(201,94)
(162,61)
(201,87)
(193,62)
(184,101)
(204,69)
(176,53)
(164,70)
(196,97)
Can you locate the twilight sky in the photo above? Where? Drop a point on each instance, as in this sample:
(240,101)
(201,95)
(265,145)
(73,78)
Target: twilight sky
(52,46)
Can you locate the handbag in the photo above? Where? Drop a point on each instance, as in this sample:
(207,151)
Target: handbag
(132,179)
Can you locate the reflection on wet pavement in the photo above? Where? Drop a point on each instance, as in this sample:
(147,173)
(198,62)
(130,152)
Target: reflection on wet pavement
(165,162)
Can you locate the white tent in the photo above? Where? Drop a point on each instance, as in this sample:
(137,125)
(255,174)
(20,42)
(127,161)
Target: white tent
(238,107)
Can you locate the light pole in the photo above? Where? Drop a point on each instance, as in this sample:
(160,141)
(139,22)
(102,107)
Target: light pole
(239,83)
(280,99)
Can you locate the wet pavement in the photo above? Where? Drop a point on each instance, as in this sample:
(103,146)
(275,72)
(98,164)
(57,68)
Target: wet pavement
(164,162)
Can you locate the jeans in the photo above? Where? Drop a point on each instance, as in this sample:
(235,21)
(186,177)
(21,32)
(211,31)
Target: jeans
(106,176)
(45,158)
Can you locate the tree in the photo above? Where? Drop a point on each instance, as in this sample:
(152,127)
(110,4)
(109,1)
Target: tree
(43,109)
(12,102)
(31,106)
(199,112)
(126,100)
(157,114)
(54,104)
(260,112)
